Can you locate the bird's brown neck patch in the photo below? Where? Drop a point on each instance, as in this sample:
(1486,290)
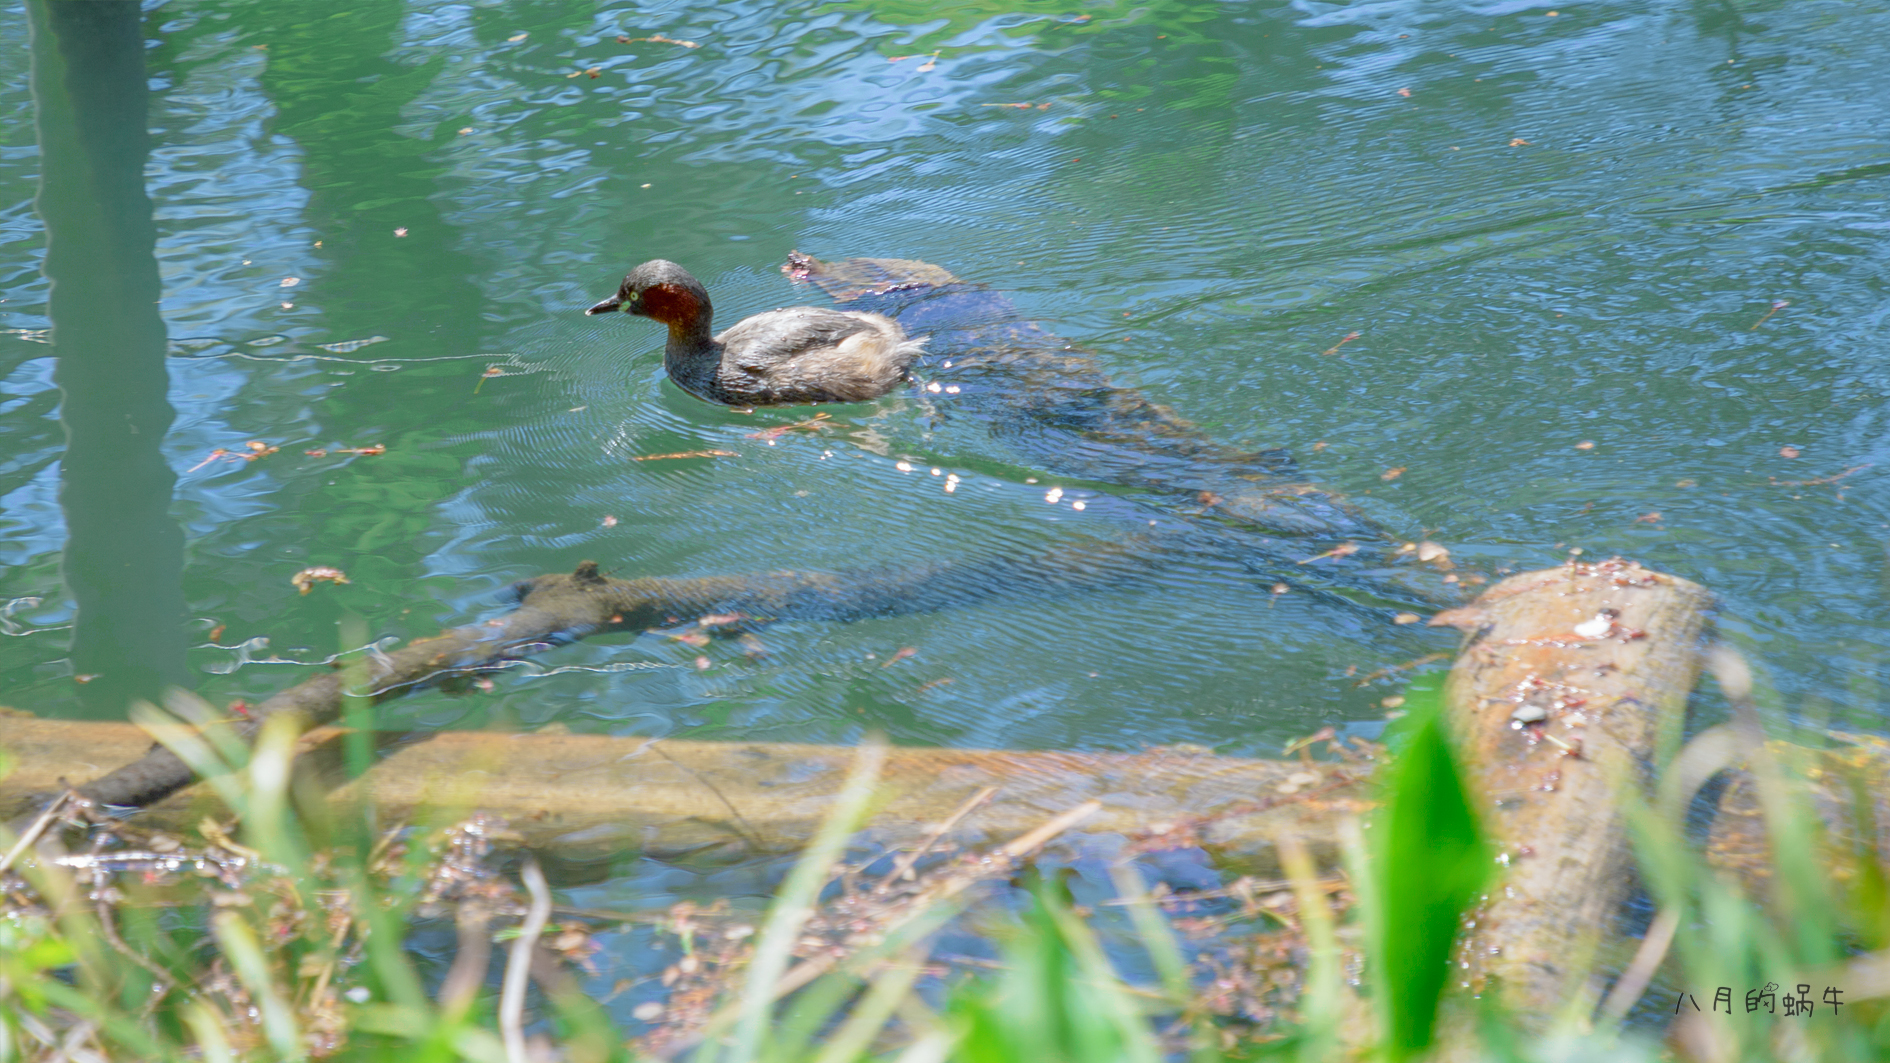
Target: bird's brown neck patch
(671,304)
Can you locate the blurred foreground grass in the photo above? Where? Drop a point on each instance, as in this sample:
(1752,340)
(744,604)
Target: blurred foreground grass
(282,936)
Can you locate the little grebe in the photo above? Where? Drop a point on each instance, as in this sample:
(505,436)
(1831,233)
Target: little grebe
(801,354)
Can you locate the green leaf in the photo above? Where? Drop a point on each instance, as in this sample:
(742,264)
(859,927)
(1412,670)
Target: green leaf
(1432,862)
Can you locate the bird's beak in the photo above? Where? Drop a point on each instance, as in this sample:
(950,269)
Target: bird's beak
(605,307)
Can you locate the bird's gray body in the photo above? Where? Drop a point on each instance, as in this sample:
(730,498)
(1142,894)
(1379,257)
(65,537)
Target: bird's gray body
(802,354)
(798,355)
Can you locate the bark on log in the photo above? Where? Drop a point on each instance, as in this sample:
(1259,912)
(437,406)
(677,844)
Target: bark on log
(1571,681)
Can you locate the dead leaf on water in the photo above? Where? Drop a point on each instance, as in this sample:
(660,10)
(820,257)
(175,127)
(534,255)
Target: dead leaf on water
(1406,618)
(1468,618)
(306,579)
(1392,474)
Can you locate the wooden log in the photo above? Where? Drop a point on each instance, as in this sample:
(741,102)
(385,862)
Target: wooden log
(588,793)
(1571,681)
(555,609)
(591,794)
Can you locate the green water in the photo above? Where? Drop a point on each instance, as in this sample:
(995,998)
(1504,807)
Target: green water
(1568,231)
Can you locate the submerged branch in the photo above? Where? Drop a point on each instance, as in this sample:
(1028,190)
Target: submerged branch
(557,609)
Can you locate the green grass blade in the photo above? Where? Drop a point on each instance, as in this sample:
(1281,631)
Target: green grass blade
(244,951)
(796,899)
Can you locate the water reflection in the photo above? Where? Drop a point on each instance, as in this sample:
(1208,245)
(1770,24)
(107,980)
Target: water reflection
(123,560)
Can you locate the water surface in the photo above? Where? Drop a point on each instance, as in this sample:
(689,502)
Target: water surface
(1556,232)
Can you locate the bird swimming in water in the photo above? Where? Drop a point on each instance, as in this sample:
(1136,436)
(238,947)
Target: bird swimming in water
(798,355)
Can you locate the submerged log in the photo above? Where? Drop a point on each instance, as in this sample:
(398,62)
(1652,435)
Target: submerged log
(557,609)
(1570,683)
(1039,393)
(591,794)
(1846,787)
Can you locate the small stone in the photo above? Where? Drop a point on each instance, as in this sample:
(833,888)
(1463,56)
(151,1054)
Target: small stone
(648,1011)
(1529,714)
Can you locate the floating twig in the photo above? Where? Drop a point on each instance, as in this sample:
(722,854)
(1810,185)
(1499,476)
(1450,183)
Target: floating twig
(518,964)
(1341,550)
(903,866)
(33,832)
(1776,482)
(687,454)
(657,38)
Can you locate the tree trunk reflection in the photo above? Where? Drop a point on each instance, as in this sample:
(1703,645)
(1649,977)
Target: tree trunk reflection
(123,559)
